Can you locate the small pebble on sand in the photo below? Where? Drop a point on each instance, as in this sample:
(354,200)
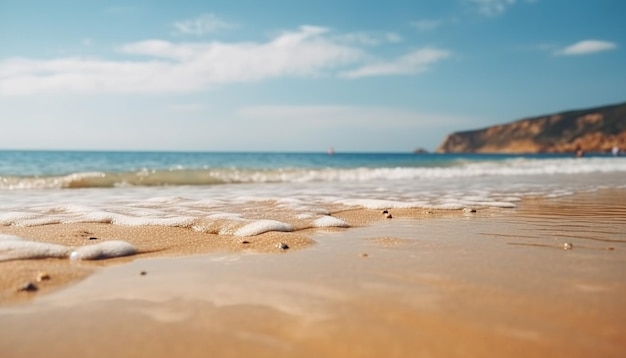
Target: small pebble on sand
(93,238)
(143,273)
(363,254)
(388,216)
(568,246)
(43,276)
(282,246)
(469,210)
(244,242)
(28,287)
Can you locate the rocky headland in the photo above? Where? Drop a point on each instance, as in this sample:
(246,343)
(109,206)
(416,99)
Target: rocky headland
(591,130)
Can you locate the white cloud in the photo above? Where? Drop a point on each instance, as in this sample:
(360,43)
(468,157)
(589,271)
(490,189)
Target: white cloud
(392,37)
(368,39)
(181,67)
(586,47)
(493,8)
(201,25)
(159,66)
(412,63)
(425,25)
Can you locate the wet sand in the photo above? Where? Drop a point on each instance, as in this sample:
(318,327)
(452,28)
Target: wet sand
(498,282)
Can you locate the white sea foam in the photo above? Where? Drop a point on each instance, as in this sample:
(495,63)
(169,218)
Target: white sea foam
(512,167)
(330,221)
(103,250)
(40,221)
(96,216)
(297,197)
(18,249)
(9,218)
(382,204)
(9,237)
(173,221)
(448,206)
(261,226)
(468,169)
(511,199)
(493,204)
(160,200)
(223,216)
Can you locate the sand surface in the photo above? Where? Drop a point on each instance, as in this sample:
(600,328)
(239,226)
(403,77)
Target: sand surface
(497,283)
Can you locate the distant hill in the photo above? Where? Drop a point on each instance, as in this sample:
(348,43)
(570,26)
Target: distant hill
(592,130)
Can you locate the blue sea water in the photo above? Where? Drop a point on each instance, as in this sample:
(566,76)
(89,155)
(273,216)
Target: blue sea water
(51,163)
(59,163)
(226,193)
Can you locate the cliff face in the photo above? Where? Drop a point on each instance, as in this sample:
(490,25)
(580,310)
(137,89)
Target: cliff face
(593,130)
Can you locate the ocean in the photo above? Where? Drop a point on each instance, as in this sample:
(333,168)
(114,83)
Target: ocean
(246,194)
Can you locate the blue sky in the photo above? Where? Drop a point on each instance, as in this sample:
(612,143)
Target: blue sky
(386,76)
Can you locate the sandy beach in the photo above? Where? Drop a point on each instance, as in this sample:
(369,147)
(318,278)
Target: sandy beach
(315,179)
(547,278)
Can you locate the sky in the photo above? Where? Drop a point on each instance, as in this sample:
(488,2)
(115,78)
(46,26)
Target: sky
(298,76)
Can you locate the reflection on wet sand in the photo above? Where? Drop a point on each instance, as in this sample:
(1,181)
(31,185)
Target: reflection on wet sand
(494,283)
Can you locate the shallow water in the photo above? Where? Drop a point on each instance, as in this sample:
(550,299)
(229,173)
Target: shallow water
(251,193)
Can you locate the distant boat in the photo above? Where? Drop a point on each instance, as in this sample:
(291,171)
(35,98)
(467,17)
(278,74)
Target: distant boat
(331,151)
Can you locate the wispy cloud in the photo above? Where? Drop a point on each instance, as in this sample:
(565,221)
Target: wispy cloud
(392,37)
(368,39)
(178,67)
(206,23)
(425,25)
(493,8)
(413,63)
(586,47)
(158,66)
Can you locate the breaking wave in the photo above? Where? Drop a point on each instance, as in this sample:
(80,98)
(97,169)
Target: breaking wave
(215,176)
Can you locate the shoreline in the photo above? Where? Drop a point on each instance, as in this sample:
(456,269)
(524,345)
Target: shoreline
(498,282)
(150,241)
(164,241)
